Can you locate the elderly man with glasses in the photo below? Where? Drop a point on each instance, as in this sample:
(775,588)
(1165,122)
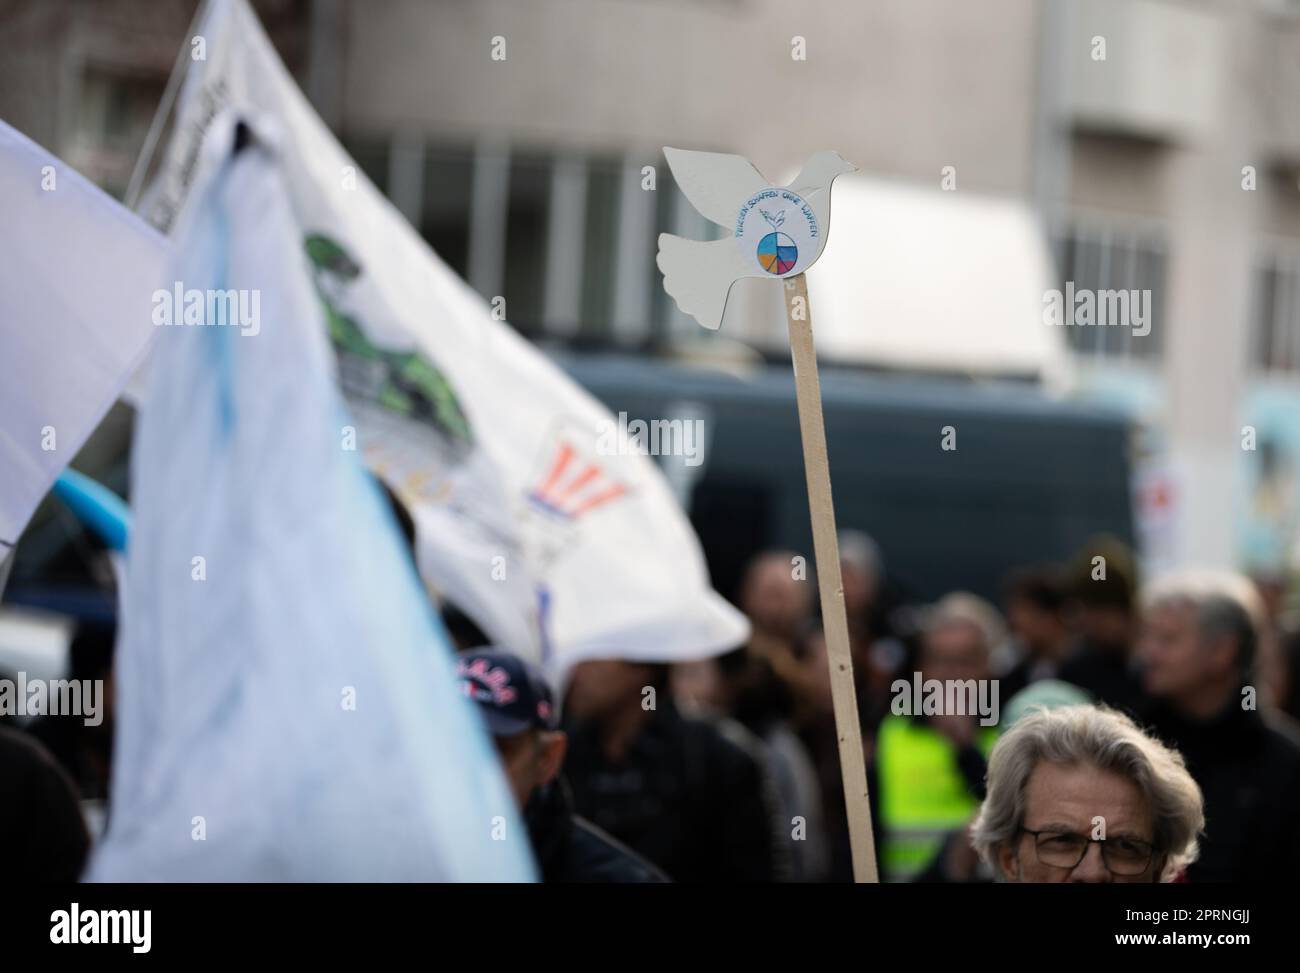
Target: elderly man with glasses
(1080,794)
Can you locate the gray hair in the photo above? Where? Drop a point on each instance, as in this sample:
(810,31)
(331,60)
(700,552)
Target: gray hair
(1101,738)
(1225,604)
(964,608)
(858,549)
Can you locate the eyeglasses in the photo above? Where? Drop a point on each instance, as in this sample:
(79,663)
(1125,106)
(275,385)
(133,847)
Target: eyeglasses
(1065,849)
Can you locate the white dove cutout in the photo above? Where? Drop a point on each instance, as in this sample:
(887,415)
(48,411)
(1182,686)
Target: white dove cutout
(775,232)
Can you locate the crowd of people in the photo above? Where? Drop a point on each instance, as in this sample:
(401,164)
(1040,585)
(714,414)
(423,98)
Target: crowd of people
(1136,733)
(1167,710)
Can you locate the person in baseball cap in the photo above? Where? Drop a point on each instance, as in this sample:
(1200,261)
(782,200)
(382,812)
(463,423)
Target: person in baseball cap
(519,710)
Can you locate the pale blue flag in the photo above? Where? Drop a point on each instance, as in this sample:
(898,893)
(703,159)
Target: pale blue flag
(286,702)
(75,276)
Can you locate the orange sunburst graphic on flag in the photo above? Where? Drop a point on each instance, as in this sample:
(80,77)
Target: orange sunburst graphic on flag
(571,480)
(574,485)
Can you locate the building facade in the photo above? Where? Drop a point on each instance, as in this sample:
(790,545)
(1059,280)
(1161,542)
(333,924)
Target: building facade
(1158,141)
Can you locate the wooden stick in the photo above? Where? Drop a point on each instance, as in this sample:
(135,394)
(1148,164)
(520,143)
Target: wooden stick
(826,550)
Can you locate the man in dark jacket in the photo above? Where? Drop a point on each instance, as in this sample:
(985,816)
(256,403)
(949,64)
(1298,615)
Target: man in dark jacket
(673,788)
(517,706)
(1036,600)
(1198,650)
(1105,616)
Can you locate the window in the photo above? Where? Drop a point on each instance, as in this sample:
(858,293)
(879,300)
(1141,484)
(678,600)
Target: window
(1104,257)
(371,156)
(600,239)
(526,216)
(567,294)
(445,203)
(1275,311)
(113,115)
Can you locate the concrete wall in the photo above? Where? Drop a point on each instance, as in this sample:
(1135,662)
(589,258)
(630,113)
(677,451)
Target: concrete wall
(901,88)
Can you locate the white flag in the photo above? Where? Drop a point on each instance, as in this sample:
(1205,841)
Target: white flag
(535,516)
(75,280)
(287,704)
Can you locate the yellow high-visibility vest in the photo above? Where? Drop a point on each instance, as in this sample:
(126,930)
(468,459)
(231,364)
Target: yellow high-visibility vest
(923,794)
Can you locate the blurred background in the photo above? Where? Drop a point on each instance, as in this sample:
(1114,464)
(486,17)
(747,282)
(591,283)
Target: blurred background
(1006,149)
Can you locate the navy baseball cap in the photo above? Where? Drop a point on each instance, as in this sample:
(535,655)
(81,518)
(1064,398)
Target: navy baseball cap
(511,694)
